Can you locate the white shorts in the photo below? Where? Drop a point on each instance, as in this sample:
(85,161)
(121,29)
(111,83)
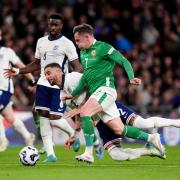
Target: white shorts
(106,97)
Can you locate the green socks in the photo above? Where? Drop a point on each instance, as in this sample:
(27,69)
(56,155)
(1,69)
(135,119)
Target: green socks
(36,121)
(135,133)
(88,130)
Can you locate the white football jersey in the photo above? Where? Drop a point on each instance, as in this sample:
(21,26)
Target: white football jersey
(71,81)
(7,58)
(58,51)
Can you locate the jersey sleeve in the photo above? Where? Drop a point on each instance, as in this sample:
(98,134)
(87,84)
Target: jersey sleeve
(121,60)
(37,52)
(70,51)
(14,59)
(106,49)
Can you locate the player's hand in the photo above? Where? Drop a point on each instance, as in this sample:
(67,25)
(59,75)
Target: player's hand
(11,72)
(136,81)
(69,142)
(72,113)
(66,97)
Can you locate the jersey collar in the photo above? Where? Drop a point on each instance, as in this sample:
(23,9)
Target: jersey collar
(50,38)
(92,43)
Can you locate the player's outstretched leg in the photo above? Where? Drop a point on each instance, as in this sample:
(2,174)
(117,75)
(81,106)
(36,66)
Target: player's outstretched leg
(154,152)
(155,140)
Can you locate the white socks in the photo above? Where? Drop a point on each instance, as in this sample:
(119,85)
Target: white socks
(2,128)
(155,122)
(89,150)
(46,134)
(121,154)
(20,127)
(63,125)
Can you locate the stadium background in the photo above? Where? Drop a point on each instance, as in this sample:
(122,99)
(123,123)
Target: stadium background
(146,32)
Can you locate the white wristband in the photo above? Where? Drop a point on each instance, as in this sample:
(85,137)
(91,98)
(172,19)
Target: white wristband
(16,70)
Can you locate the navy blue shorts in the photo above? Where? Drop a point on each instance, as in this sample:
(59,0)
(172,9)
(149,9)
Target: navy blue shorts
(48,99)
(125,113)
(5,97)
(107,135)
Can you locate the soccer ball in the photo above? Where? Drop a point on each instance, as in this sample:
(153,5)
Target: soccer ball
(28,156)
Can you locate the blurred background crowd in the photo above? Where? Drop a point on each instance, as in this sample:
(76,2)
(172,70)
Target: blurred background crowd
(147,32)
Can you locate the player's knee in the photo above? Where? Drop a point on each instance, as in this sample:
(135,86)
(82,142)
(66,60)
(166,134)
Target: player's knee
(54,117)
(43,113)
(84,112)
(10,118)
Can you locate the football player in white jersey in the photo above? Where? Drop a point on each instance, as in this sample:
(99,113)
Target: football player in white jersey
(111,141)
(8,58)
(53,48)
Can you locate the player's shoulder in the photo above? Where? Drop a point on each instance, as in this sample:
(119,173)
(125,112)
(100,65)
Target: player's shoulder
(6,49)
(42,39)
(104,44)
(101,43)
(65,40)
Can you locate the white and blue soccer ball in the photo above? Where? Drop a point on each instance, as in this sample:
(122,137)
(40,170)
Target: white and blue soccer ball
(28,156)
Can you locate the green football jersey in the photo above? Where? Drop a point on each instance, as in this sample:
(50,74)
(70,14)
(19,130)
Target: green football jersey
(98,62)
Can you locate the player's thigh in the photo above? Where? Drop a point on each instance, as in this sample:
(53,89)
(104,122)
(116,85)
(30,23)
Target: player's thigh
(57,107)
(116,125)
(43,98)
(107,135)
(111,112)
(105,96)
(90,108)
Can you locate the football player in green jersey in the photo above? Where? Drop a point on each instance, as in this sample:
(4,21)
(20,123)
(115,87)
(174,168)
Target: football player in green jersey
(98,60)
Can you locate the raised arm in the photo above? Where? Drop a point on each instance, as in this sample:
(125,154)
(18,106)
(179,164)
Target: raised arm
(121,60)
(79,88)
(34,66)
(76,65)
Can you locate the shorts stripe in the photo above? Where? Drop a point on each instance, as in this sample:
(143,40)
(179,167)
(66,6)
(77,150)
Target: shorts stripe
(102,98)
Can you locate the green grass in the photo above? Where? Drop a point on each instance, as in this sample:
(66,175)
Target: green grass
(68,169)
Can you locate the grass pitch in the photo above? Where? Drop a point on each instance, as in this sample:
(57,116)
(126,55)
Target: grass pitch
(66,168)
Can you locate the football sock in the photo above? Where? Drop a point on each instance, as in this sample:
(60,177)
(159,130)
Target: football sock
(46,135)
(135,133)
(155,122)
(120,154)
(88,130)
(20,127)
(2,128)
(36,121)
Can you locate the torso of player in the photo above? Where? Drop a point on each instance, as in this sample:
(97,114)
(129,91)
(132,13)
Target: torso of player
(7,58)
(71,81)
(55,51)
(98,68)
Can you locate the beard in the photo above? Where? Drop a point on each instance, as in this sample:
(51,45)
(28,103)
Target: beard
(52,82)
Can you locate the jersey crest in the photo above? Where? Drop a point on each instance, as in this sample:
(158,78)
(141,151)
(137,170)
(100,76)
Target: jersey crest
(93,52)
(55,47)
